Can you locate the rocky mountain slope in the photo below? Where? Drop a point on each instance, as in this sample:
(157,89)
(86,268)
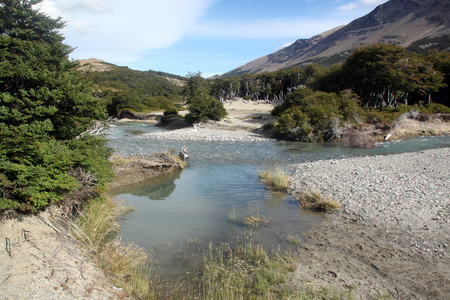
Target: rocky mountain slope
(400,22)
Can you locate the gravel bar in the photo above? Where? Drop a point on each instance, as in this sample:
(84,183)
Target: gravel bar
(407,193)
(206,135)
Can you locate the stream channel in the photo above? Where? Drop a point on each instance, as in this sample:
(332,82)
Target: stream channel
(176,216)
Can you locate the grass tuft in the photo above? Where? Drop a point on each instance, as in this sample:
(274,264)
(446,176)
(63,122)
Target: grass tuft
(275,178)
(328,204)
(243,271)
(293,239)
(127,264)
(253,219)
(313,199)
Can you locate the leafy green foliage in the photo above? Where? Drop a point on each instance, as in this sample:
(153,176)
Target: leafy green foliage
(44,106)
(122,88)
(205,108)
(385,75)
(202,106)
(309,115)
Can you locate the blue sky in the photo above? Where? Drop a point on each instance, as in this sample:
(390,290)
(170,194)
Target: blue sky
(181,36)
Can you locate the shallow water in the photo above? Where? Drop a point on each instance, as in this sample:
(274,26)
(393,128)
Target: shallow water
(194,205)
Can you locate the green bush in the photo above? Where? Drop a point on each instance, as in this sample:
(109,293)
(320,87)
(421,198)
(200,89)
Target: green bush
(44,106)
(204,108)
(310,116)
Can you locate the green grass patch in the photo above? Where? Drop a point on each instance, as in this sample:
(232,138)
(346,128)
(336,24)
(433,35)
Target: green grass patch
(242,271)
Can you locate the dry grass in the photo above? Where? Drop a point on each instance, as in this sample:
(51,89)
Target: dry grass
(328,204)
(254,218)
(275,178)
(127,264)
(313,199)
(255,221)
(98,220)
(408,127)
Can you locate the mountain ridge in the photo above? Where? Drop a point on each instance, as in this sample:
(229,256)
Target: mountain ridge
(400,22)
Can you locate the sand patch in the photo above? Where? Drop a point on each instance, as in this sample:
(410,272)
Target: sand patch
(41,260)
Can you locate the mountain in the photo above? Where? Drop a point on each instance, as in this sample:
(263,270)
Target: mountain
(422,23)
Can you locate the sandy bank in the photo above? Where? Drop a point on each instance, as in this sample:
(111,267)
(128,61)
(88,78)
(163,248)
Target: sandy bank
(41,260)
(393,233)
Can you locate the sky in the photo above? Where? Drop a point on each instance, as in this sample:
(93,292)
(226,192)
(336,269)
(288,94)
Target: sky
(185,36)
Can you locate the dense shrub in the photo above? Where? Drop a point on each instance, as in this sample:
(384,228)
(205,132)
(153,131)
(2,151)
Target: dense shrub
(44,106)
(309,115)
(204,108)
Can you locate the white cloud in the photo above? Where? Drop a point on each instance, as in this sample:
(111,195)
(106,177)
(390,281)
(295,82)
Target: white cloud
(284,45)
(124,28)
(95,6)
(348,7)
(279,28)
(358,4)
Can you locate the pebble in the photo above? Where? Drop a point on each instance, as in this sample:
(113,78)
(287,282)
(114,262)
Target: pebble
(206,135)
(407,192)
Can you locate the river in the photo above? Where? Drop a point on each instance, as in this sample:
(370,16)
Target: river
(175,216)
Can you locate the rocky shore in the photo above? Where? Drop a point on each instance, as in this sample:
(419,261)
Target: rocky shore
(392,235)
(206,135)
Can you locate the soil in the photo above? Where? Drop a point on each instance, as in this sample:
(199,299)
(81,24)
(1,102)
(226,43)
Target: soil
(136,169)
(40,260)
(392,234)
(346,254)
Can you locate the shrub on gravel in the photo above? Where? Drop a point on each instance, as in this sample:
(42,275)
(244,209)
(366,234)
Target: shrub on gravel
(313,199)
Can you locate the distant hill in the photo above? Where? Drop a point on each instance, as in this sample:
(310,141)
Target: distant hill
(97,65)
(422,24)
(124,88)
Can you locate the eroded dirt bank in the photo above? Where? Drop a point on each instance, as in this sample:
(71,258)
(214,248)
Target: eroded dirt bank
(136,169)
(41,260)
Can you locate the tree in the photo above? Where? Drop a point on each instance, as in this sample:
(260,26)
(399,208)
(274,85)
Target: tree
(310,116)
(44,105)
(202,106)
(372,72)
(386,75)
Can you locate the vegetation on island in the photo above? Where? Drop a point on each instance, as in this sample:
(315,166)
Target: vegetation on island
(375,83)
(202,105)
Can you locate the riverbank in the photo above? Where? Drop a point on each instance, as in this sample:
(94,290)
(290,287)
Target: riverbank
(139,168)
(392,235)
(41,260)
(246,119)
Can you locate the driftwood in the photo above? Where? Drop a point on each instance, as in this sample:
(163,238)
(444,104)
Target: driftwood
(97,129)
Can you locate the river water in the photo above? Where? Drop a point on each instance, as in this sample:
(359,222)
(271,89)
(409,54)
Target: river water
(176,215)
